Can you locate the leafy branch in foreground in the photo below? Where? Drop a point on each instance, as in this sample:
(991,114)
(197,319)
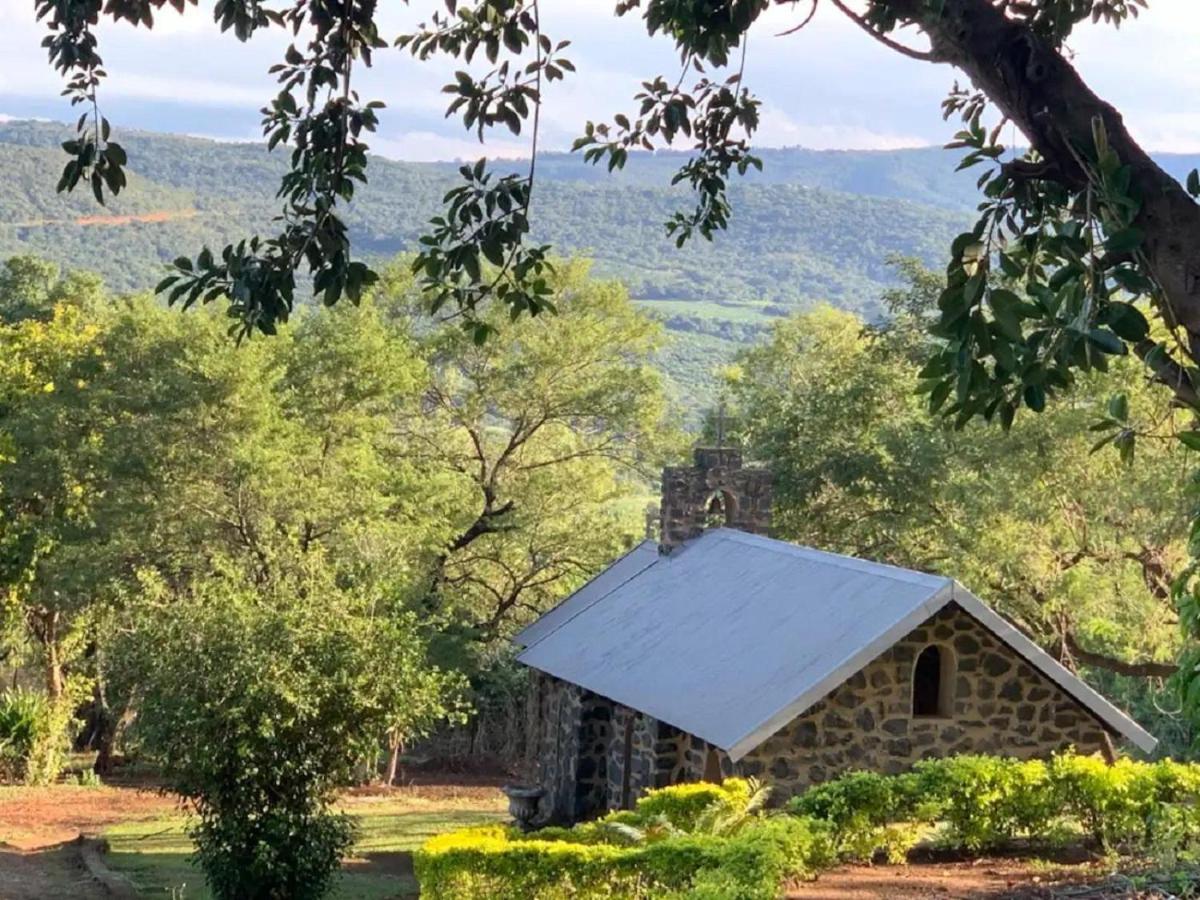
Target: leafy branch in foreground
(320,116)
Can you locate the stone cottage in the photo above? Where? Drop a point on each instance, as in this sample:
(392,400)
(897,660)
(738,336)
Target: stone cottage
(721,651)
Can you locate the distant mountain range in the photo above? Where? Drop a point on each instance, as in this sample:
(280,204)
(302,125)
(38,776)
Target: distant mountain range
(814,226)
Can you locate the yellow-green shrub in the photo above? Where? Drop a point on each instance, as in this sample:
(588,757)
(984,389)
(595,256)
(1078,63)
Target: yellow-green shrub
(1116,804)
(867,812)
(684,804)
(496,864)
(987,801)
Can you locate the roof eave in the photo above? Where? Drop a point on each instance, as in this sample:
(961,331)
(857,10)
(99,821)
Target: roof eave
(1072,684)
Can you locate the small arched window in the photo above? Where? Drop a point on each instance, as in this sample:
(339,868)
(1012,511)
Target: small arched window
(719,510)
(931,677)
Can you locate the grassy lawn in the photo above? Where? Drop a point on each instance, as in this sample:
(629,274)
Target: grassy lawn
(153,853)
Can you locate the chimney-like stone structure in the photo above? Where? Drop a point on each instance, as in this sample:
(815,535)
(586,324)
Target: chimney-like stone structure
(716,490)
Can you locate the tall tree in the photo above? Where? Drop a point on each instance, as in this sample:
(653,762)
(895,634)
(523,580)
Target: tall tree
(537,434)
(1077,547)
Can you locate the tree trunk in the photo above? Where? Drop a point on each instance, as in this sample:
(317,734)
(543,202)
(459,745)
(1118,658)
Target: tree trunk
(396,747)
(48,634)
(1032,83)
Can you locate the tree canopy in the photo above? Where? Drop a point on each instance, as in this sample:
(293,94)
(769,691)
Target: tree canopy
(1078,548)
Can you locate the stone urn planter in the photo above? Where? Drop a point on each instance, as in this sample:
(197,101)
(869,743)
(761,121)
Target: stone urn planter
(523,803)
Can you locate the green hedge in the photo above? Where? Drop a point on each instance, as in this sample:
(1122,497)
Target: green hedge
(986,802)
(685,841)
(711,842)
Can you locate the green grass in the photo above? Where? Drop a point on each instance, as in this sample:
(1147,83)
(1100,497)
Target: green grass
(154,853)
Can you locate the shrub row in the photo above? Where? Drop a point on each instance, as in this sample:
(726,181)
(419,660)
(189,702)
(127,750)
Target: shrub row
(699,841)
(986,802)
(705,841)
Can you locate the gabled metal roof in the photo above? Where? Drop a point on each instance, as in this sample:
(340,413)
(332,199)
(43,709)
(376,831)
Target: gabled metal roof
(733,635)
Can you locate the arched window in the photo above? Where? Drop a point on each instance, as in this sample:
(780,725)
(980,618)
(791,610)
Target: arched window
(931,679)
(719,510)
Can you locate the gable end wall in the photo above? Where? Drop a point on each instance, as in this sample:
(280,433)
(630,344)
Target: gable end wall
(1001,705)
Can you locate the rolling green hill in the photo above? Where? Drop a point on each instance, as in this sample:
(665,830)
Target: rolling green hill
(815,226)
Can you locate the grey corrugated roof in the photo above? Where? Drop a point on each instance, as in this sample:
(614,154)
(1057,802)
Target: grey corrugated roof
(733,635)
(640,557)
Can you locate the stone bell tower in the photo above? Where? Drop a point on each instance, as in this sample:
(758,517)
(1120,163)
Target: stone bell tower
(715,491)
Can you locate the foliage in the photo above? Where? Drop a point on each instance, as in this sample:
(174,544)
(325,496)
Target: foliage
(535,435)
(319,115)
(1077,548)
(866,812)
(791,247)
(987,802)
(678,853)
(258,705)
(34,736)
(1117,804)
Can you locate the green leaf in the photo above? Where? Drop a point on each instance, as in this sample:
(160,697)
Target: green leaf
(1127,321)
(1118,407)
(1190,439)
(1107,341)
(1125,240)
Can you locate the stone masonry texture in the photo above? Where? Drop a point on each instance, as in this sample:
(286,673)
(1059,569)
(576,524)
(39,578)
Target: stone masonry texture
(999,704)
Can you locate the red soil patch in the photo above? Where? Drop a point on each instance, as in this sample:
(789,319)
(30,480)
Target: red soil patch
(162,215)
(32,818)
(165,215)
(990,878)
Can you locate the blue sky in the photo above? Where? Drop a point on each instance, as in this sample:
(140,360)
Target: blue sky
(828,86)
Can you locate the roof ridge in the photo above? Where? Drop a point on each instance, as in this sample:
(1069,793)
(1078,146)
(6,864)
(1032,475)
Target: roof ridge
(889,570)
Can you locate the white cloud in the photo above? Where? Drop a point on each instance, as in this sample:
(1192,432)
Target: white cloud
(428,146)
(781,130)
(825,86)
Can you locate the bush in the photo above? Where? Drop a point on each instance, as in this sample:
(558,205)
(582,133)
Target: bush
(988,801)
(498,864)
(867,813)
(1116,804)
(658,849)
(259,707)
(704,841)
(683,805)
(33,736)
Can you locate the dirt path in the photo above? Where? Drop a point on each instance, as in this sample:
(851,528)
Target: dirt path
(1012,879)
(44,874)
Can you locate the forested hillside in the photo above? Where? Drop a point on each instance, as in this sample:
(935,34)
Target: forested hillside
(815,226)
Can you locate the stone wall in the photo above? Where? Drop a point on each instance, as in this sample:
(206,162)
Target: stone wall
(643,734)
(555,717)
(1000,704)
(577,750)
(745,495)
